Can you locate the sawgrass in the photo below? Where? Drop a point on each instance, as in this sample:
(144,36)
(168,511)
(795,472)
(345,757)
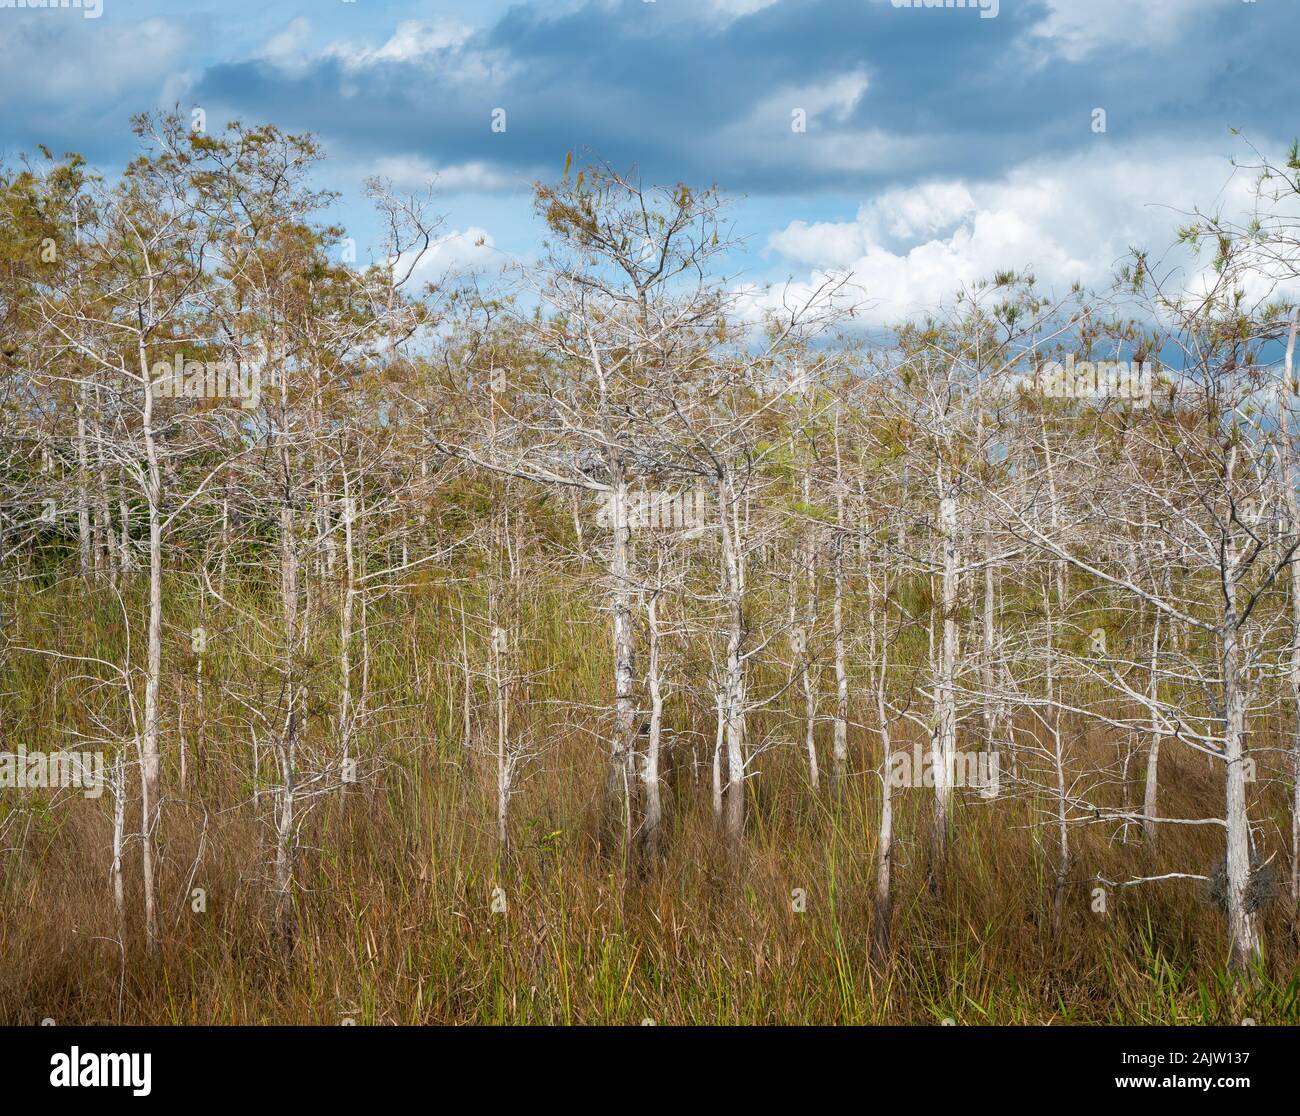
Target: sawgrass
(408,915)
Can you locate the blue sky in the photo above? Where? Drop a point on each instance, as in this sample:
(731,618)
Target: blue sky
(939,146)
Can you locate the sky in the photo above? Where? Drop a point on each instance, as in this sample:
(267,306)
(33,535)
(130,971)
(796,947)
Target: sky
(940,144)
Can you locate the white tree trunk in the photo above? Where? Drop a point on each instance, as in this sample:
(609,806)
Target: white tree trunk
(287,750)
(620,775)
(1287,479)
(650,790)
(945,735)
(84,555)
(734,569)
(284,829)
(505,766)
(987,703)
(840,742)
(119,833)
(1243,935)
(150,758)
(719,737)
(1150,796)
(1053,715)
(345,632)
(809,682)
(467,684)
(879,619)
(126,560)
(105,546)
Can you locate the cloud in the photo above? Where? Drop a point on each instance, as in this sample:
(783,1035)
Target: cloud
(413,41)
(737,9)
(1074,29)
(705,93)
(288,48)
(1063,219)
(414,172)
(897,215)
(457,253)
(438,47)
(836,97)
(928,114)
(70,68)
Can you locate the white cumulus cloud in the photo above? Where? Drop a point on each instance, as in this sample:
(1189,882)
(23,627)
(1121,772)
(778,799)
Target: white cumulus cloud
(1064,220)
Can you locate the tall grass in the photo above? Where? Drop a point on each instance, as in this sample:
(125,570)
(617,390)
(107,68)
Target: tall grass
(397,877)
